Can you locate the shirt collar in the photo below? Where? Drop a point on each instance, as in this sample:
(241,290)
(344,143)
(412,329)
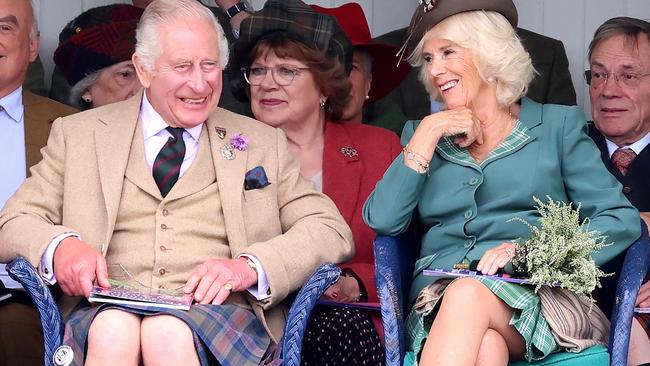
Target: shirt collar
(153,123)
(637,147)
(13,105)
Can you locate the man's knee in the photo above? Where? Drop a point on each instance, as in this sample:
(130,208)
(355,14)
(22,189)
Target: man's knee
(112,328)
(164,334)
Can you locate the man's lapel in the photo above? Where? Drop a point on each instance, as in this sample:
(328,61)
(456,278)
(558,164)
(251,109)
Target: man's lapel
(113,137)
(230,176)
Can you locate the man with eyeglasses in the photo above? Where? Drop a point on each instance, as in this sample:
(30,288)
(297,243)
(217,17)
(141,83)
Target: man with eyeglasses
(619,88)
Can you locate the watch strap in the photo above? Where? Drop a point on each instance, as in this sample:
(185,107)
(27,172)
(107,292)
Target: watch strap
(235,9)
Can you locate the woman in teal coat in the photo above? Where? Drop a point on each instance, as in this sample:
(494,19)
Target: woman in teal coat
(466,171)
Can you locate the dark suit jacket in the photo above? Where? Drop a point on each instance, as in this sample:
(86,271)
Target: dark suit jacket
(635,187)
(410,100)
(348,181)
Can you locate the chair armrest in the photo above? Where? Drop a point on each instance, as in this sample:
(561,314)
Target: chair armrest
(635,267)
(394,260)
(301,310)
(23,272)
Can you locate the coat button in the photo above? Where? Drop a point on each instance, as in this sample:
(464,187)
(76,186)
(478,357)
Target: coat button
(468,214)
(162,271)
(469,242)
(163,248)
(627,190)
(473,181)
(163,226)
(165,212)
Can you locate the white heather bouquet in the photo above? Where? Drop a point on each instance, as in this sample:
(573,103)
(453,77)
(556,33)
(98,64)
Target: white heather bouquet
(559,251)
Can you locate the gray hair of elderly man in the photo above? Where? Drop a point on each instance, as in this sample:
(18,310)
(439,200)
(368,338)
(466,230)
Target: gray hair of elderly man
(630,27)
(34,32)
(163,12)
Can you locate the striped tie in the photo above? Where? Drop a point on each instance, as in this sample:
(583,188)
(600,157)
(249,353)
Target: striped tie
(167,165)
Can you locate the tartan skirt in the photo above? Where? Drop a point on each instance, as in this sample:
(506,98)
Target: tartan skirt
(527,317)
(223,334)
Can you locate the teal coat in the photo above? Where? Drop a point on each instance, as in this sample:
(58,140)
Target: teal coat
(464,208)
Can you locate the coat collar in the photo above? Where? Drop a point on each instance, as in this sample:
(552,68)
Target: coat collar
(341,169)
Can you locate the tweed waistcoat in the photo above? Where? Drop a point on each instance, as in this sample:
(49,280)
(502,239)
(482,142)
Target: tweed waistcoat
(156,239)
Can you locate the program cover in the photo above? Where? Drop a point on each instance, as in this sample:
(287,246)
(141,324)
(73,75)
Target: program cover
(467,273)
(128,296)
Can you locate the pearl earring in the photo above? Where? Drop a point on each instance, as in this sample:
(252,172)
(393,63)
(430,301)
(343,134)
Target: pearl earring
(367,97)
(322,103)
(491,79)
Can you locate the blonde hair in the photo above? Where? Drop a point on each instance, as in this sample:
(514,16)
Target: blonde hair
(496,51)
(165,12)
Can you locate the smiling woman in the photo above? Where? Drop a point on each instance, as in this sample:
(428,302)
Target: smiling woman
(94,54)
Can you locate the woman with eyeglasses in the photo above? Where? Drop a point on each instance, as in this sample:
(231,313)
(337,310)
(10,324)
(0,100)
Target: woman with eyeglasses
(296,79)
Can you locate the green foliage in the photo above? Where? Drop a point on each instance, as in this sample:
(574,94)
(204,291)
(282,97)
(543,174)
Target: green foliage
(559,250)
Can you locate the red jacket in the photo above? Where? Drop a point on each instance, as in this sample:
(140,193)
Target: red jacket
(355,157)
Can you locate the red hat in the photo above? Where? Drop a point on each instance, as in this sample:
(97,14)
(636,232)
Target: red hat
(98,38)
(387,74)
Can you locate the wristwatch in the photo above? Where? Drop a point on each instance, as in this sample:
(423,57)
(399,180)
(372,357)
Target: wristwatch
(235,9)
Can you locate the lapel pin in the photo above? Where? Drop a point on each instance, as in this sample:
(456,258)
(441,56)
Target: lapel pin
(221,132)
(349,151)
(227,152)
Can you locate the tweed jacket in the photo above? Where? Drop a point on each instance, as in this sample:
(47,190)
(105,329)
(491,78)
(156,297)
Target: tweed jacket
(78,185)
(348,180)
(410,101)
(40,112)
(464,208)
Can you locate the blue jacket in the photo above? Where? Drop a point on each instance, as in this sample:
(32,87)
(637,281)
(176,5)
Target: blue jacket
(464,208)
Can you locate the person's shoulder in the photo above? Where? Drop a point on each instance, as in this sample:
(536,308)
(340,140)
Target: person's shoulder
(39,103)
(363,132)
(253,129)
(530,37)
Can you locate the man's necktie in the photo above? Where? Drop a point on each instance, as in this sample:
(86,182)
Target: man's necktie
(167,165)
(622,158)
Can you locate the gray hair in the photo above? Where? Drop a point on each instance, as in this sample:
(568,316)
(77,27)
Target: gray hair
(496,51)
(629,27)
(165,12)
(80,88)
(34,32)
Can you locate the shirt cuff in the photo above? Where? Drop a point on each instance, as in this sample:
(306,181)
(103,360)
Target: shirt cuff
(261,290)
(46,269)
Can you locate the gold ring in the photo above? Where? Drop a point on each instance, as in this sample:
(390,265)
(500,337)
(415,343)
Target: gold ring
(227,286)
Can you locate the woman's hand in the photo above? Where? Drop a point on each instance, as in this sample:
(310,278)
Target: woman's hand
(346,289)
(496,258)
(643,298)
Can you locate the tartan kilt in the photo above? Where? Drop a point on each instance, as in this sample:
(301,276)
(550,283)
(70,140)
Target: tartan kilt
(527,317)
(225,335)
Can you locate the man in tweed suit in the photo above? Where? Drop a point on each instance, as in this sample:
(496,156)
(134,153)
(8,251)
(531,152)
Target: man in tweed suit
(239,229)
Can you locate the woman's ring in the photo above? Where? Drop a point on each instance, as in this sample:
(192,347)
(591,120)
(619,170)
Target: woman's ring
(510,252)
(227,286)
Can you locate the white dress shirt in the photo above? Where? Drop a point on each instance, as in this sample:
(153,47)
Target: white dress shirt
(12,155)
(637,147)
(155,136)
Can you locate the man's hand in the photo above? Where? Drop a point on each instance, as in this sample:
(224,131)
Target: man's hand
(496,258)
(213,280)
(76,264)
(346,289)
(643,298)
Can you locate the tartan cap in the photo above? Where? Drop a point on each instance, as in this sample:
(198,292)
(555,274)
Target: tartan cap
(100,37)
(318,31)
(431,12)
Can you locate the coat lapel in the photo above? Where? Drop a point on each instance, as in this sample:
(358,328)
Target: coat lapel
(113,137)
(230,177)
(342,169)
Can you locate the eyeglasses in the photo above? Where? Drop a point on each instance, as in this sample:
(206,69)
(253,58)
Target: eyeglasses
(629,79)
(282,74)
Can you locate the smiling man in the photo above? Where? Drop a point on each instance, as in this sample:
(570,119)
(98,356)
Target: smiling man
(619,88)
(176,194)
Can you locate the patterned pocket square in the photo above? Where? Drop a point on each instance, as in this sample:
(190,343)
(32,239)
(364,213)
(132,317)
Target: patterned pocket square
(256,179)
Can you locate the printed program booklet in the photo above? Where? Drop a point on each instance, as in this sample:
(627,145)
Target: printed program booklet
(467,273)
(129,296)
